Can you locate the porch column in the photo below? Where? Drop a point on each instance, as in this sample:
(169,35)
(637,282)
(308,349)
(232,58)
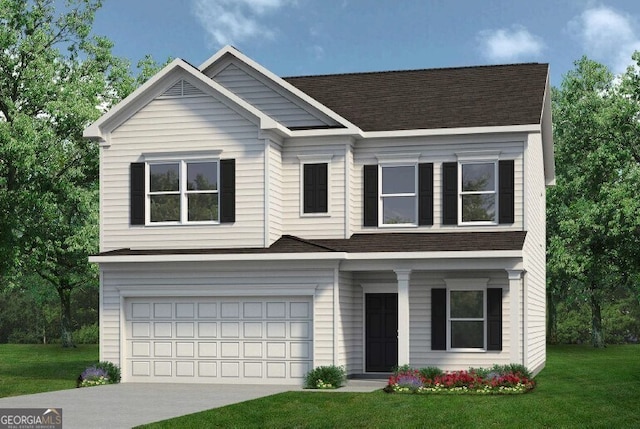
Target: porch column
(403,315)
(515,321)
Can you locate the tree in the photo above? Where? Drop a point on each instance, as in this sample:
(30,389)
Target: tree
(593,211)
(55,79)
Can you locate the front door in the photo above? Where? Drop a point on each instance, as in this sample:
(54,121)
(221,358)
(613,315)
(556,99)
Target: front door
(381,331)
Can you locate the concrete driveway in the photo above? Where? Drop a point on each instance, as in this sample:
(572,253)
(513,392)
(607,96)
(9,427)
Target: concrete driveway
(130,404)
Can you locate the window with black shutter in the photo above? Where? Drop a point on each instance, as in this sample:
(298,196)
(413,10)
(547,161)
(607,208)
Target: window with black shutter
(315,188)
(182,191)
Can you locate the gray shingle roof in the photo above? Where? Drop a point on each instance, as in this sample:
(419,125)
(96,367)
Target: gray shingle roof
(480,96)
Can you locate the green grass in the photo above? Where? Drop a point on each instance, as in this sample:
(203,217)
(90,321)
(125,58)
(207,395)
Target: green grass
(34,368)
(580,388)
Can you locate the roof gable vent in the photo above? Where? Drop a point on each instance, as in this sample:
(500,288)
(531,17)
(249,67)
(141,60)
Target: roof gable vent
(182,88)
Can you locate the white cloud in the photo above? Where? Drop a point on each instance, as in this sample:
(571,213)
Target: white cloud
(607,36)
(233,21)
(509,44)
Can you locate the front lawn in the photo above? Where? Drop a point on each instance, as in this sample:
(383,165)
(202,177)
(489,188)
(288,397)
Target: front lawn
(34,368)
(580,387)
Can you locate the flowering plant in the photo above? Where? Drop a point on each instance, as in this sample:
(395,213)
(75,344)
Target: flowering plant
(99,374)
(407,380)
(93,376)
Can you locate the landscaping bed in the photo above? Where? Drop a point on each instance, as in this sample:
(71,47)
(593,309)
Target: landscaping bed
(500,379)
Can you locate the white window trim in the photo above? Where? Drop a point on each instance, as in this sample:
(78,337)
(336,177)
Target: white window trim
(467,285)
(381,196)
(315,159)
(494,192)
(182,162)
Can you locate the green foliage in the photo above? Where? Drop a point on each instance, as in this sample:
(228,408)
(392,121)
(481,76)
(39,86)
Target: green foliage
(113,371)
(430,372)
(593,211)
(88,334)
(55,79)
(325,377)
(620,319)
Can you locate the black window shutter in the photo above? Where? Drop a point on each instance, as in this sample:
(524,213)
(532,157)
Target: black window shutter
(438,319)
(450,193)
(227,207)
(425,194)
(315,188)
(494,319)
(137,191)
(506,187)
(370,195)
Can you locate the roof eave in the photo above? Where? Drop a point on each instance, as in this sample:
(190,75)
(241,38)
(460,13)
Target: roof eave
(324,256)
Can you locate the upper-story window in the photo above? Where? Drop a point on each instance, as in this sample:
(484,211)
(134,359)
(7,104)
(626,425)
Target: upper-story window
(183,191)
(398,195)
(315,194)
(315,185)
(478,192)
(178,191)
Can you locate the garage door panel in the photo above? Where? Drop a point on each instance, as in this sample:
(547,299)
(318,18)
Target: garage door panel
(225,340)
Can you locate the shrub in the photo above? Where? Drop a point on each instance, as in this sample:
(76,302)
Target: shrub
(99,374)
(113,371)
(93,376)
(88,334)
(325,377)
(430,372)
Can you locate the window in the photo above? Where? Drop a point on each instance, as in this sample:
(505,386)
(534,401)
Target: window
(398,196)
(467,319)
(315,188)
(403,193)
(478,192)
(172,191)
(183,191)
(466,316)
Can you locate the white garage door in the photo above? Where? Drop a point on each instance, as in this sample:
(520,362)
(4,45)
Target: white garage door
(218,340)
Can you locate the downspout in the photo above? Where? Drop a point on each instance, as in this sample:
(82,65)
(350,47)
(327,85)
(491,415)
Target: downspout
(336,303)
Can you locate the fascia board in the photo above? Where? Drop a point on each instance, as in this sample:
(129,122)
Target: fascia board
(154,86)
(331,256)
(453,131)
(547,137)
(279,81)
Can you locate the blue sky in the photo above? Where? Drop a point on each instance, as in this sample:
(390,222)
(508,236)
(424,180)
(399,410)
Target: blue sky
(302,37)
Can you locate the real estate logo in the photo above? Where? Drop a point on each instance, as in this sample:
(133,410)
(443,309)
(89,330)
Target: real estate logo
(30,418)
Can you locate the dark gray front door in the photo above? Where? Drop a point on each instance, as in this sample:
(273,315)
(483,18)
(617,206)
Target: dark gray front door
(381,331)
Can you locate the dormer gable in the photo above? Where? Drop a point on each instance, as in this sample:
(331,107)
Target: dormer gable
(271,94)
(177,79)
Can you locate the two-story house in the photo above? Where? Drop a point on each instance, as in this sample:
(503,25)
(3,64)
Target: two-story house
(253,227)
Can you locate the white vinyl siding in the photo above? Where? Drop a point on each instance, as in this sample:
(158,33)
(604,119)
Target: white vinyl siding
(329,225)
(535,257)
(351,305)
(177,126)
(156,280)
(437,150)
(275,193)
(421,354)
(270,99)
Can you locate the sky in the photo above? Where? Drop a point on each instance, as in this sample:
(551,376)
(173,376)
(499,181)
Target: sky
(308,37)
